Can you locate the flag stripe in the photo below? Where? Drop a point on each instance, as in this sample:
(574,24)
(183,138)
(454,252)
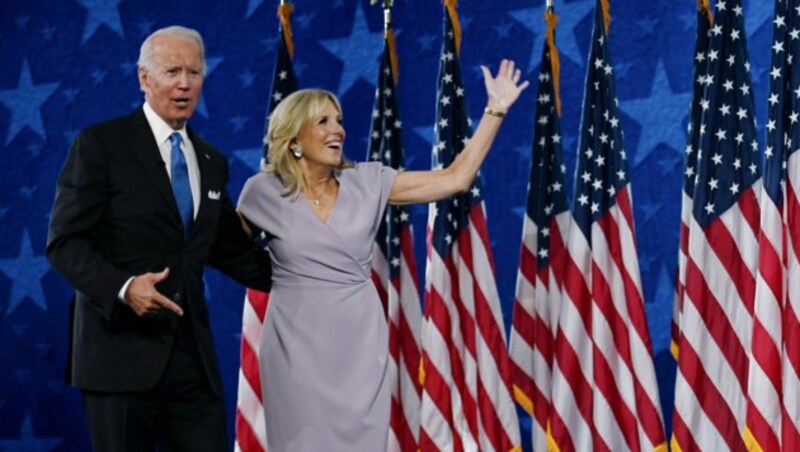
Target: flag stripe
(693,373)
(249,368)
(436,310)
(464,371)
(400,428)
(246,439)
(682,437)
(572,430)
(251,432)
(731,249)
(608,290)
(716,322)
(441,432)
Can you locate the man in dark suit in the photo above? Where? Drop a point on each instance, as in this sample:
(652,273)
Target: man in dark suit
(140,208)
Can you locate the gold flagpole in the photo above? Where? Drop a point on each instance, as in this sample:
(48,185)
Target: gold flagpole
(555,64)
(284,11)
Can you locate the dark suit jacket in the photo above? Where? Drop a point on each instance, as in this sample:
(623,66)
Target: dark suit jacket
(115,217)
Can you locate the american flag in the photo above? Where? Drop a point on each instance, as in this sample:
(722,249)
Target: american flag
(773,392)
(716,318)
(394,268)
(467,401)
(540,277)
(251,432)
(700,68)
(604,389)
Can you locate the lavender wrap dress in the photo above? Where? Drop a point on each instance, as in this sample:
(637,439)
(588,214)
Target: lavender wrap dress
(324,347)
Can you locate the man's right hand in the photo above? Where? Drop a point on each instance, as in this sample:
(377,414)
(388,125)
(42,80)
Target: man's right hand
(143,297)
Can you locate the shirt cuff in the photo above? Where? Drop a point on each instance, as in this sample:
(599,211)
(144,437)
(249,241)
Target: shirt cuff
(121,294)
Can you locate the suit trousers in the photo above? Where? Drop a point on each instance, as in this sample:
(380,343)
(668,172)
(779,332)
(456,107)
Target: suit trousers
(181,413)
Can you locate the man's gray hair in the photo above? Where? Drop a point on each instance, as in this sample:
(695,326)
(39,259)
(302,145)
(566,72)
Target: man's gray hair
(174,31)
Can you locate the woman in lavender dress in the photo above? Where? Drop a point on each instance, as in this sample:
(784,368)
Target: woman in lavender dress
(324,346)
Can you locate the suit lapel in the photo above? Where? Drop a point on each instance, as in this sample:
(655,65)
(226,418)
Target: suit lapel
(146,150)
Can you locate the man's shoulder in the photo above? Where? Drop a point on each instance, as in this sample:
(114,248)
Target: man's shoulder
(115,125)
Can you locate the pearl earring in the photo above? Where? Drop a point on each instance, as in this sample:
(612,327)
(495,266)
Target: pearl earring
(297,151)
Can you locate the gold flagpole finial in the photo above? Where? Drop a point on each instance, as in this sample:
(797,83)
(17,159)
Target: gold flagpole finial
(387,19)
(387,12)
(386,4)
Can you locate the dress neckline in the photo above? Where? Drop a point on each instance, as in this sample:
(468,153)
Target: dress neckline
(313,205)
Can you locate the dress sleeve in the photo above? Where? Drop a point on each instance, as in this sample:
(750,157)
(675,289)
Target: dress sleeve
(387,176)
(374,175)
(253,202)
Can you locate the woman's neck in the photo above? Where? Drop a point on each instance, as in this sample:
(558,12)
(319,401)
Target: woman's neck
(317,184)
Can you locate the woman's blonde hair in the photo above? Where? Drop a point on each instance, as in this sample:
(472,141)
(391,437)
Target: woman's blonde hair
(285,123)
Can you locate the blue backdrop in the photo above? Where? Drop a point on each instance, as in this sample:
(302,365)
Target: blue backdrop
(70,63)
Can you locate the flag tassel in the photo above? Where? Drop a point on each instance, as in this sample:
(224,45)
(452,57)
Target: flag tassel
(555,64)
(390,42)
(607,14)
(451,11)
(703,6)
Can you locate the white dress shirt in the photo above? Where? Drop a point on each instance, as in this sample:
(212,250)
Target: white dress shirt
(162,131)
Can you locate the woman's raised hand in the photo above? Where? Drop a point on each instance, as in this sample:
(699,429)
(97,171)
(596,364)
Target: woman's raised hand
(502,91)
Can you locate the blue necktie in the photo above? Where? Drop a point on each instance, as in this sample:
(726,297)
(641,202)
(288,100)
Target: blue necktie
(180,183)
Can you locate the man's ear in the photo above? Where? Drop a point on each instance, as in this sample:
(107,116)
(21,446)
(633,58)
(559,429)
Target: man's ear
(143,79)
